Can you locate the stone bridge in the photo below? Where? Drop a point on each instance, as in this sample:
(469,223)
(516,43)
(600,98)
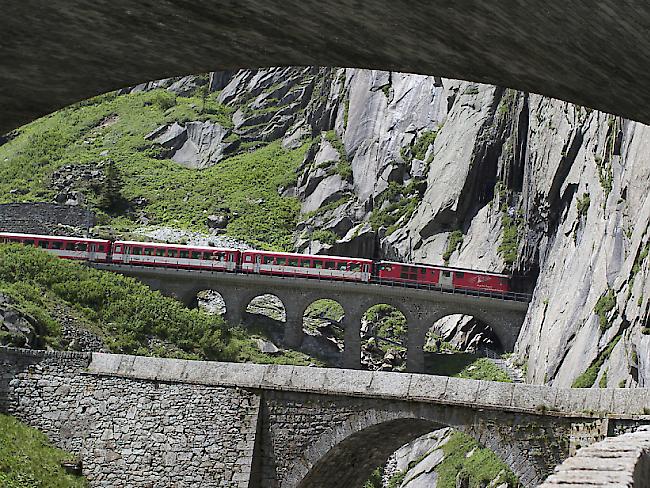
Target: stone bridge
(137,421)
(58,52)
(421,307)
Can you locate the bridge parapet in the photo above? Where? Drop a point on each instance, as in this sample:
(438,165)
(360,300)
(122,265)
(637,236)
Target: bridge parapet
(543,400)
(617,461)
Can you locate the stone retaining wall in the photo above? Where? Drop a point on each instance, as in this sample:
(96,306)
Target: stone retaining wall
(133,432)
(45,218)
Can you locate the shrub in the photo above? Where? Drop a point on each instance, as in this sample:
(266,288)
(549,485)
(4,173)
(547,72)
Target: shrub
(454,243)
(324,236)
(582,205)
(604,306)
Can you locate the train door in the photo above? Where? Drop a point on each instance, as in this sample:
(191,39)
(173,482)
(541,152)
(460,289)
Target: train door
(92,251)
(366,273)
(446,279)
(258,262)
(126,254)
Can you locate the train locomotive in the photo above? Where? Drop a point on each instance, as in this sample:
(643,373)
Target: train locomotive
(264,262)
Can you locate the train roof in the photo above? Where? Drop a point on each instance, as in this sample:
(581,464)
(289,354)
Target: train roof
(183,246)
(58,238)
(450,268)
(312,256)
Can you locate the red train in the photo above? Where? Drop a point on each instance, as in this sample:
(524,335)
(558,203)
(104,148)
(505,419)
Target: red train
(263,262)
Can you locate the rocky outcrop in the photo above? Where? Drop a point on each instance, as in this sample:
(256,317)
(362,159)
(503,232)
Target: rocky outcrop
(195,145)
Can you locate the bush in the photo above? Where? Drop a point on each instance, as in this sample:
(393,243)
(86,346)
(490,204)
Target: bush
(454,242)
(324,236)
(582,205)
(604,306)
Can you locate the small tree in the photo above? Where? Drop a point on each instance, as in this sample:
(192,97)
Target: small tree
(110,191)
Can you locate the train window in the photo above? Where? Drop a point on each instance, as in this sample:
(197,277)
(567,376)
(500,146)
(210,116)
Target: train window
(459,274)
(281,261)
(69,246)
(268,259)
(355,267)
(42,244)
(446,274)
(57,245)
(207,256)
(82,246)
(172,253)
(184,254)
(293,261)
(330,265)
(118,249)
(196,255)
(318,264)
(423,271)
(160,251)
(137,250)
(248,258)
(148,251)
(29,242)
(305,263)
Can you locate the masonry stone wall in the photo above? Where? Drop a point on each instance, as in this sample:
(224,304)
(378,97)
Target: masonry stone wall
(134,432)
(45,218)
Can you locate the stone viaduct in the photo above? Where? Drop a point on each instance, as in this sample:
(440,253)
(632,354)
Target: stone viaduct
(137,421)
(421,307)
(58,52)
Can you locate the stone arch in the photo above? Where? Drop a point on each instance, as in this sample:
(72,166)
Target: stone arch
(212,301)
(269,305)
(384,329)
(346,454)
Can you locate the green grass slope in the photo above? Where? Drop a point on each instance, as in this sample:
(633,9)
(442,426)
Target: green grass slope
(114,127)
(28,460)
(131,318)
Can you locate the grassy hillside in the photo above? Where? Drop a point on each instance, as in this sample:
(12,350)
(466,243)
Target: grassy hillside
(114,127)
(28,460)
(130,317)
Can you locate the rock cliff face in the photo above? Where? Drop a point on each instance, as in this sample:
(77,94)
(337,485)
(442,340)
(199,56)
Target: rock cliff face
(435,170)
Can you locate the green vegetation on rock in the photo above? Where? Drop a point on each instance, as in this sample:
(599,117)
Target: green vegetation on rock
(465,458)
(603,307)
(588,378)
(582,205)
(28,459)
(403,201)
(454,243)
(324,236)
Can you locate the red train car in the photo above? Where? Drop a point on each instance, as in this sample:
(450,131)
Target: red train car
(175,256)
(305,265)
(443,276)
(65,247)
